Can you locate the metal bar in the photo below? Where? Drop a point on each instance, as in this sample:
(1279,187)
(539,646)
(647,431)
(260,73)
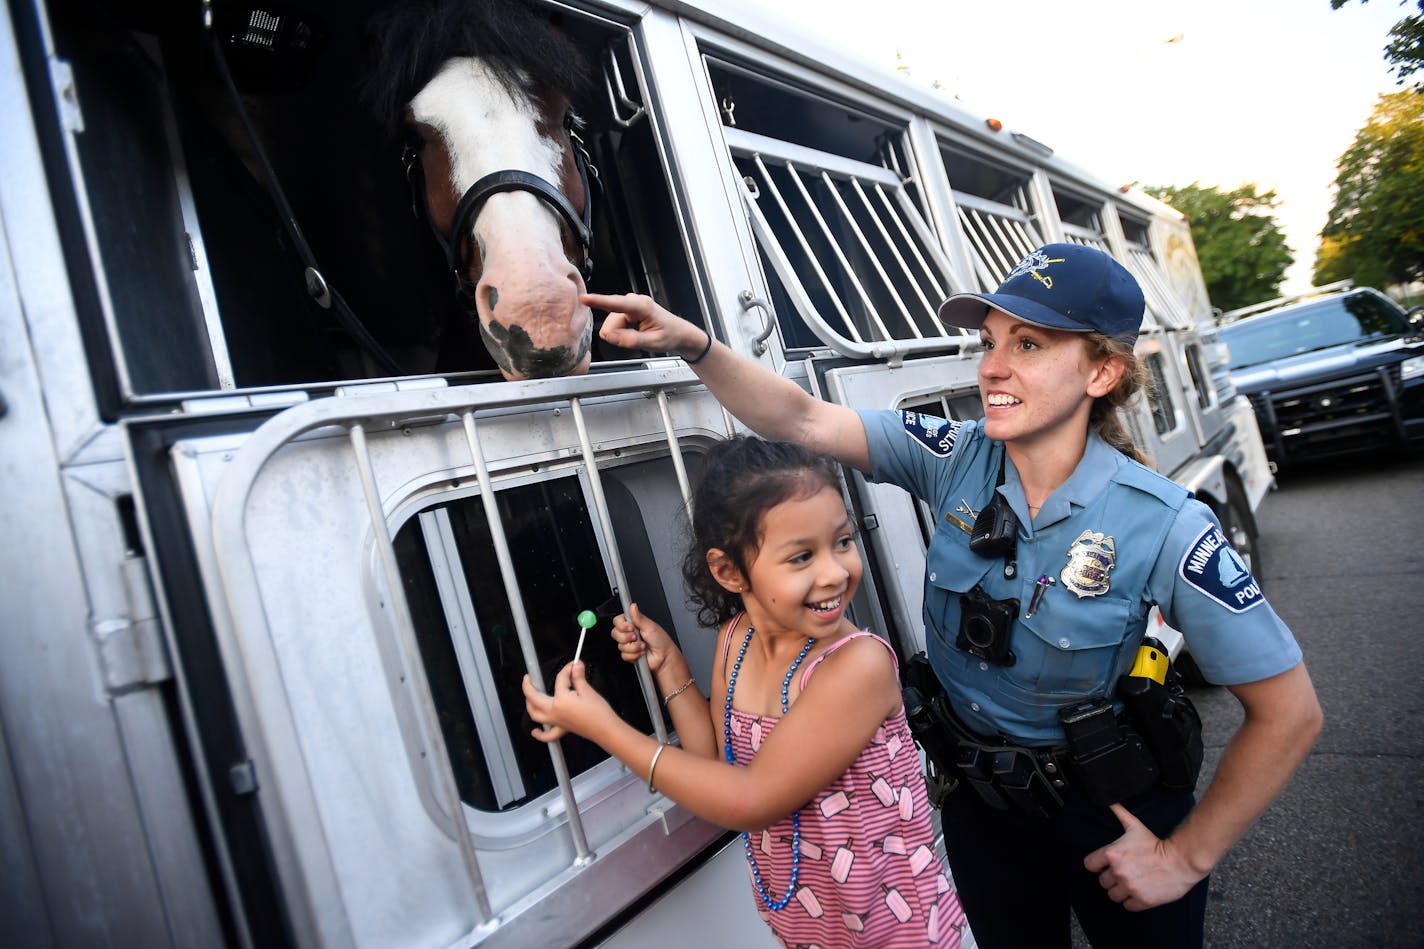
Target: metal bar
(976,240)
(605,522)
(874,262)
(993,239)
(521,628)
(1005,241)
(1028,238)
(875,258)
(806,249)
(417,685)
(836,251)
(914,282)
(675,450)
(927,240)
(613,77)
(1001,246)
(892,350)
(750,144)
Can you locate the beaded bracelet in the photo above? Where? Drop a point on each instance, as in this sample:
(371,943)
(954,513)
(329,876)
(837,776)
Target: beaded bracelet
(705,350)
(652,766)
(679,690)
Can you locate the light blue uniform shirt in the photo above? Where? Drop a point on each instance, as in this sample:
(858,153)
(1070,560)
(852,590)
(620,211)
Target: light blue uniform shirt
(1116,538)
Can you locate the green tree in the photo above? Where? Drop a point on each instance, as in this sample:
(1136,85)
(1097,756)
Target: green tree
(1375,232)
(1406,42)
(1242,251)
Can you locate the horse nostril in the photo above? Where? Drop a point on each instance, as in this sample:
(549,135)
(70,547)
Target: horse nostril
(492,297)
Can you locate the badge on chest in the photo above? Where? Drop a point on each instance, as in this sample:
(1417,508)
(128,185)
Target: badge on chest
(1091,559)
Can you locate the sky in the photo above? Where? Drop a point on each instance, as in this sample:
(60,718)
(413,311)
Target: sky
(1220,92)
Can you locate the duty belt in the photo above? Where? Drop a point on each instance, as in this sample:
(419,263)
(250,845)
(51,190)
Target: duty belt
(1006,775)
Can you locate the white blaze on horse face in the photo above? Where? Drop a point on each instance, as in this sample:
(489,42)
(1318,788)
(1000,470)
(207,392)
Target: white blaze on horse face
(527,293)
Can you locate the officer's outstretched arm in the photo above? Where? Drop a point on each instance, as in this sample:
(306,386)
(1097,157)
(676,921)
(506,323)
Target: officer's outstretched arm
(1283,719)
(773,406)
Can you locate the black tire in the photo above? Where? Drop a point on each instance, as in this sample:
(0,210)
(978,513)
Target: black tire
(1239,526)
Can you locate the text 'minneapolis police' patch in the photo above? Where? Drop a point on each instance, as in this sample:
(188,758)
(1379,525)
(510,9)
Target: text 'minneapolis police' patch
(935,434)
(1215,569)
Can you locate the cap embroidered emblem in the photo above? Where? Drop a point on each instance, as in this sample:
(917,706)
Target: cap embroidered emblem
(1090,559)
(1032,264)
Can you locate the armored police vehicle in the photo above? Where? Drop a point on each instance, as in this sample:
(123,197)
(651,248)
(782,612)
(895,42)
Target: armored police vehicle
(266,605)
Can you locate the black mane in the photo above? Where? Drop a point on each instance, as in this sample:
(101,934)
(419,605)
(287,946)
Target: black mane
(411,40)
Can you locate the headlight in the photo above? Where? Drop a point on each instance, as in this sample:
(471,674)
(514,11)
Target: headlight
(1411,367)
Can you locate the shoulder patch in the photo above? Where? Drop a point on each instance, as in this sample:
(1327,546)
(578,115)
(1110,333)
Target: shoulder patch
(1214,568)
(935,435)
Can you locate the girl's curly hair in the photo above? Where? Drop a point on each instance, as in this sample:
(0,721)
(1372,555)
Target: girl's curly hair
(741,479)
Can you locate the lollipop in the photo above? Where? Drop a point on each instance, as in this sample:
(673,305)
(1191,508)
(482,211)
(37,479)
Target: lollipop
(586,621)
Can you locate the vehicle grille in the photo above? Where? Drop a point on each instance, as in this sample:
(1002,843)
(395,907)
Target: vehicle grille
(1337,416)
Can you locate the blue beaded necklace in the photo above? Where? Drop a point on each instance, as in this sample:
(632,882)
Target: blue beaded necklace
(771,904)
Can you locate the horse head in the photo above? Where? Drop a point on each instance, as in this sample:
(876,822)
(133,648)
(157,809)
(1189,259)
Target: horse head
(497,167)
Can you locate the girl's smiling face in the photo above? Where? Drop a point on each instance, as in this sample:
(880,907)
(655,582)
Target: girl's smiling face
(807,568)
(1037,382)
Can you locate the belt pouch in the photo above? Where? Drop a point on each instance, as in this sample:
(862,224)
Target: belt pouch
(976,763)
(930,734)
(1019,778)
(1169,723)
(1112,762)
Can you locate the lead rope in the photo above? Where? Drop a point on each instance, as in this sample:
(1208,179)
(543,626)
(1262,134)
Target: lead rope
(322,293)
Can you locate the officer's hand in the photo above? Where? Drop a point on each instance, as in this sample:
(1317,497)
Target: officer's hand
(636,322)
(1139,870)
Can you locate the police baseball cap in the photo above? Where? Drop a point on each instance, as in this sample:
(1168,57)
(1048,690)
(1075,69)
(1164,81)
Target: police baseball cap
(1063,287)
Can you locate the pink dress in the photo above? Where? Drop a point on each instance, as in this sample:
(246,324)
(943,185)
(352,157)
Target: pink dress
(869,875)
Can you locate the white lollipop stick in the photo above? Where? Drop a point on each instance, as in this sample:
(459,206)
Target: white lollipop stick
(586,619)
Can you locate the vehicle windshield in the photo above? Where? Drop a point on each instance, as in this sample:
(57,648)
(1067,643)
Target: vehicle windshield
(1357,318)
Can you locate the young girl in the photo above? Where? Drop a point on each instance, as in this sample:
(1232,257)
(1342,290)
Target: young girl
(807,750)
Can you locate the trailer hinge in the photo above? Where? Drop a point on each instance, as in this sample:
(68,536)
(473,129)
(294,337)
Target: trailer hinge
(132,654)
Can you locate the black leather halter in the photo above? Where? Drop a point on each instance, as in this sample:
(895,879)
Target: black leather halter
(457,254)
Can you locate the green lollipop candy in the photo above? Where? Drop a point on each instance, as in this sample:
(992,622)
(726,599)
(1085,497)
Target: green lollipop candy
(586,621)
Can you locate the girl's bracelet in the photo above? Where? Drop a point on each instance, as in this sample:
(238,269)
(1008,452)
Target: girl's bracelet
(653,766)
(679,690)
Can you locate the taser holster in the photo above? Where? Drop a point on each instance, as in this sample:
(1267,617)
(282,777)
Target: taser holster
(1159,709)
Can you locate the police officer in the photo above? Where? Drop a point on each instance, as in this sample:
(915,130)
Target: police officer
(1053,542)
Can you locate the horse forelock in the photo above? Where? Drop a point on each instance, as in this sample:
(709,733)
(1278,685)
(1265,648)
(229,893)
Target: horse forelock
(485,126)
(521,48)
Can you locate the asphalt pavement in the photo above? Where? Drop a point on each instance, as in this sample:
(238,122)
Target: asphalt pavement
(1338,860)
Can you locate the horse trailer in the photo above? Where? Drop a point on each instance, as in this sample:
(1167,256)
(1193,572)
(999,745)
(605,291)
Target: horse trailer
(280,544)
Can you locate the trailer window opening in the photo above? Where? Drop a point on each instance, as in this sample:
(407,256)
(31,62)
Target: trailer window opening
(467,634)
(198,288)
(1082,220)
(843,242)
(995,210)
(1164,304)
(1159,395)
(1201,378)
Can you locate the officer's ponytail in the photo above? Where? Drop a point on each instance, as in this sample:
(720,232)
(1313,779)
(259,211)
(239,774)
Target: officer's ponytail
(1106,419)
